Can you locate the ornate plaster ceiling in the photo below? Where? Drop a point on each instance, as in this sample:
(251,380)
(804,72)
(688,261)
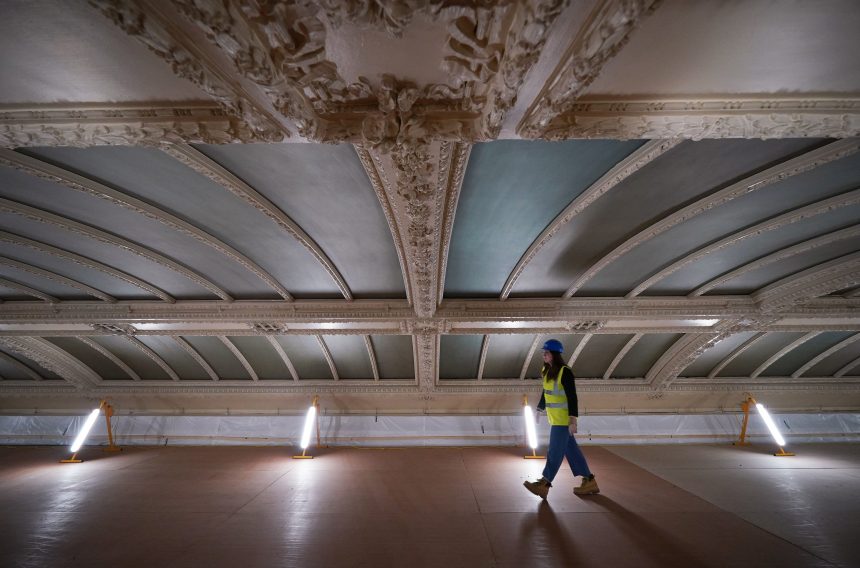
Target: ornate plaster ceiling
(237,205)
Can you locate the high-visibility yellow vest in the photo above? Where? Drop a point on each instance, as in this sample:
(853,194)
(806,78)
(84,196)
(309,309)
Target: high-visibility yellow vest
(556,400)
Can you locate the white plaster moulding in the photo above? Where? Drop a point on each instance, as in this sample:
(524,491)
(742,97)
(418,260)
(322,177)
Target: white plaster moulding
(28,291)
(773,116)
(58,278)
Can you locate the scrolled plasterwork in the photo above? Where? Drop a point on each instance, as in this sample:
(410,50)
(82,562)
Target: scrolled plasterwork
(145,21)
(700,119)
(606,32)
(84,126)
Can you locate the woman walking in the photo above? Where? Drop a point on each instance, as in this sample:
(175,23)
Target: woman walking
(559,401)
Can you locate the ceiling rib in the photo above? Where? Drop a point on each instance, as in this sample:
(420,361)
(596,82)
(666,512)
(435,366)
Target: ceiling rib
(66,281)
(84,261)
(529,356)
(734,354)
(152,355)
(482,358)
(329,359)
(372,356)
(214,171)
(20,366)
(452,196)
(781,254)
(637,160)
(242,359)
(624,350)
(54,359)
(825,354)
(28,291)
(773,224)
(378,184)
(198,358)
(782,353)
(844,370)
(819,280)
(579,347)
(110,356)
(284,357)
(780,172)
(76,182)
(67,224)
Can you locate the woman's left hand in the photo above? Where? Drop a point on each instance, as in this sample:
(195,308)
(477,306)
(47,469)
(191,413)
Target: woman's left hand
(572,427)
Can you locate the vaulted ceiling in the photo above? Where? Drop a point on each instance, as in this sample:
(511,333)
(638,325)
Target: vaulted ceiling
(214,205)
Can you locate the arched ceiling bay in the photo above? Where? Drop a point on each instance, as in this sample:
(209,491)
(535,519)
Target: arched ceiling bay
(223,205)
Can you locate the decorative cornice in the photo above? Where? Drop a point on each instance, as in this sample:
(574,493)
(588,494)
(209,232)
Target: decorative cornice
(41,216)
(54,359)
(210,169)
(819,280)
(640,158)
(780,172)
(460,156)
(776,117)
(775,223)
(607,30)
(86,262)
(148,22)
(85,185)
(119,124)
(54,277)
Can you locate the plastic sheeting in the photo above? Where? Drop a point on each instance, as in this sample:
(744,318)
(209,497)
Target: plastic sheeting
(352,430)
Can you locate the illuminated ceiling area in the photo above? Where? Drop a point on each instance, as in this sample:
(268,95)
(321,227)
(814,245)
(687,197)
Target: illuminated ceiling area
(211,205)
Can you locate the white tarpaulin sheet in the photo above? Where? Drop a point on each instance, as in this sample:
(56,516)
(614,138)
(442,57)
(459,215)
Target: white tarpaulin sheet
(351,430)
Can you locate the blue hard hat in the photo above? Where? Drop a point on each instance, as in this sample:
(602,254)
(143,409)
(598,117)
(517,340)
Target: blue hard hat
(553,345)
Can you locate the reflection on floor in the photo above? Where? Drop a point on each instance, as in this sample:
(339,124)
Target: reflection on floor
(242,506)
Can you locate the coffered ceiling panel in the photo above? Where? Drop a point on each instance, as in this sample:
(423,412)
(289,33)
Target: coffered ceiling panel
(394,356)
(598,355)
(459,356)
(643,354)
(804,352)
(710,359)
(758,353)
(505,356)
(307,356)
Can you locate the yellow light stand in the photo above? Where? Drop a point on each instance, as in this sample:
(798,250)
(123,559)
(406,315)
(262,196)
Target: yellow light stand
(315,405)
(742,440)
(112,447)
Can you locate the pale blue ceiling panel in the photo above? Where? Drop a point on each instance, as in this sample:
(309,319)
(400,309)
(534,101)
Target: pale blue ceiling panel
(747,362)
(511,191)
(679,177)
(705,362)
(459,356)
(800,355)
(598,354)
(506,355)
(350,356)
(642,356)
(394,357)
(219,357)
(324,188)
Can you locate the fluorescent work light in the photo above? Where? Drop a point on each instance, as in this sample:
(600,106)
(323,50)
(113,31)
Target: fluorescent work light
(771,425)
(531,434)
(310,420)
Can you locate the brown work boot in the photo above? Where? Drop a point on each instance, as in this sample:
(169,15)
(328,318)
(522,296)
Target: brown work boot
(588,487)
(539,487)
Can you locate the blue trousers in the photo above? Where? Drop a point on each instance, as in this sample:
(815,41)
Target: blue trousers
(562,444)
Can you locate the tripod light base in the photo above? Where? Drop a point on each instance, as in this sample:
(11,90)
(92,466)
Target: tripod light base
(783,453)
(303,457)
(71,461)
(534,457)
(112,449)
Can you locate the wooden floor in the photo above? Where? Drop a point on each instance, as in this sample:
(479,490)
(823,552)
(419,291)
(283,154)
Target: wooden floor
(253,506)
